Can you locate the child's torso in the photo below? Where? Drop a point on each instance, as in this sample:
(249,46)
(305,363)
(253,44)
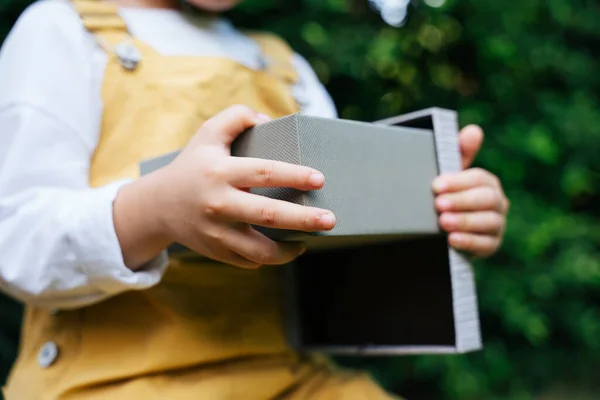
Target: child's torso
(201,316)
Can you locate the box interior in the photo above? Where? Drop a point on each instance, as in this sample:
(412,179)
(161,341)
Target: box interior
(386,294)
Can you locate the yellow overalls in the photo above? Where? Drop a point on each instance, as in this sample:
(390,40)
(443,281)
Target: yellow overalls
(207,331)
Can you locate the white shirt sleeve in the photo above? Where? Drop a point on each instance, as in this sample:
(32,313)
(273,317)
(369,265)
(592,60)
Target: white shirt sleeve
(310,92)
(58,246)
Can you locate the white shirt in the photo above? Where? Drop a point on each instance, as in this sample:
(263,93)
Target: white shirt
(58,246)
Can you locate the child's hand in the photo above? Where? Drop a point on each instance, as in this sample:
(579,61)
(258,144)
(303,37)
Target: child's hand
(206,205)
(472,203)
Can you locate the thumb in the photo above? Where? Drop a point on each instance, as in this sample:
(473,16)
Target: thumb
(222,129)
(470,139)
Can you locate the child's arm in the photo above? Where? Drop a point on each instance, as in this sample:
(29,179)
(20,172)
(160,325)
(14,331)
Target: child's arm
(201,201)
(142,237)
(58,246)
(63,244)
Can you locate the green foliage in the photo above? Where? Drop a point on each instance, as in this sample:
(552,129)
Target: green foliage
(526,72)
(10,311)
(9,12)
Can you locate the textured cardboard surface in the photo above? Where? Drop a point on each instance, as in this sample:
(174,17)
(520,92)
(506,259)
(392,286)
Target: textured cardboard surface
(384,281)
(378,178)
(410,295)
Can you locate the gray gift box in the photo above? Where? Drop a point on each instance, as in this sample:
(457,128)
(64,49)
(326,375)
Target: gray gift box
(384,280)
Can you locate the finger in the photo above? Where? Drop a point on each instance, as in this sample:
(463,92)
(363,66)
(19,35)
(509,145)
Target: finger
(468,179)
(210,244)
(474,244)
(475,222)
(470,140)
(482,198)
(259,210)
(232,258)
(225,127)
(256,247)
(249,172)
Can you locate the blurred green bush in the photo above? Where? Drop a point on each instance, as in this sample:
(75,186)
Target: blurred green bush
(528,73)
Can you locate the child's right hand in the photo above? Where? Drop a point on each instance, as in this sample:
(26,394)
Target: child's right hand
(201,200)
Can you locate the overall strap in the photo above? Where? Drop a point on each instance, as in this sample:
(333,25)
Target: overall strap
(277,56)
(103,21)
(99,16)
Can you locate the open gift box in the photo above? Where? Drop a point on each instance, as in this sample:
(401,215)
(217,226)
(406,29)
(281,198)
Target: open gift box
(384,281)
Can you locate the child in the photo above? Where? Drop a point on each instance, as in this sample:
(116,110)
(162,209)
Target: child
(87,90)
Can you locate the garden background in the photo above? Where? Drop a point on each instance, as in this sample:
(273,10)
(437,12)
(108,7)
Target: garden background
(529,73)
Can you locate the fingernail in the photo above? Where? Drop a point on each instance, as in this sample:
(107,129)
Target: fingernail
(263,118)
(328,220)
(444,203)
(440,185)
(316,179)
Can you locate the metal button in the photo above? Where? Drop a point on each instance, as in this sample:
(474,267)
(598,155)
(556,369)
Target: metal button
(48,354)
(129,55)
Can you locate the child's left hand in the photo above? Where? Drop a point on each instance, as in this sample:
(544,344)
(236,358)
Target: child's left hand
(472,203)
